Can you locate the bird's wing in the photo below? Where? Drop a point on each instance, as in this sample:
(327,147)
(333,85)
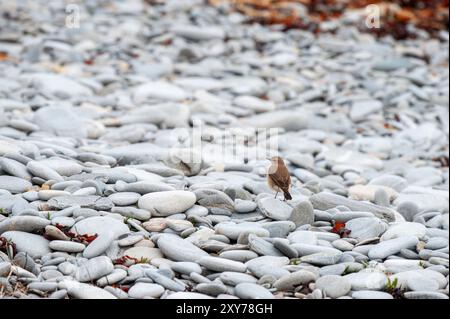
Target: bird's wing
(283,181)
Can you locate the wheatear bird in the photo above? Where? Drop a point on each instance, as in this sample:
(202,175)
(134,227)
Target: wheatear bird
(279,178)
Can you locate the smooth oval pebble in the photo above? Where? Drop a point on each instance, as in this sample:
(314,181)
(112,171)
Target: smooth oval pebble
(179,249)
(142,290)
(66,246)
(94,268)
(252,291)
(15,185)
(99,245)
(125,198)
(292,280)
(333,286)
(220,264)
(161,203)
(392,247)
(85,291)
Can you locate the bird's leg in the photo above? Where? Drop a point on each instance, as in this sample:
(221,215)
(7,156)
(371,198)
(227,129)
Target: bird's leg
(276,195)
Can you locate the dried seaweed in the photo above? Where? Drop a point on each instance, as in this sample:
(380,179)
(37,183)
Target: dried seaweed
(80,238)
(431,15)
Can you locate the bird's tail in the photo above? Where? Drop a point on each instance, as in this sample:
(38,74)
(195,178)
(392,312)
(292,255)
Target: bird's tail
(287,195)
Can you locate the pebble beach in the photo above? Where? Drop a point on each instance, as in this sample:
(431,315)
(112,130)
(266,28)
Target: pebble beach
(103,196)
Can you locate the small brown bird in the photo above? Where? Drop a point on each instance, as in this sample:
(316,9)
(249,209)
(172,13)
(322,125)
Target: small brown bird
(279,178)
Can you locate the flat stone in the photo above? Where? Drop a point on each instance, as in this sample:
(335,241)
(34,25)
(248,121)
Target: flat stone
(63,167)
(159,90)
(22,241)
(325,201)
(262,246)
(142,290)
(244,206)
(275,209)
(132,212)
(178,249)
(422,284)
(333,286)
(188,295)
(197,33)
(155,224)
(345,216)
(140,187)
(303,237)
(233,231)
(236,278)
(116,276)
(279,229)
(368,192)
(167,203)
(405,277)
(179,225)
(239,255)
(125,198)
(392,181)
(367,280)
(252,291)
(165,281)
(94,269)
(85,291)
(143,253)
(221,264)
(15,185)
(284,247)
(370,294)
(361,109)
(137,240)
(366,227)
(342,245)
(337,270)
(392,247)
(254,103)
(292,280)
(308,249)
(12,204)
(186,267)
(261,271)
(56,83)
(92,202)
(404,229)
(99,245)
(45,195)
(66,246)
(5,268)
(29,224)
(344,156)
(40,170)
(322,258)
(408,210)
(100,225)
(43,286)
(211,288)
(303,214)
(424,202)
(425,295)
(14,168)
(436,243)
